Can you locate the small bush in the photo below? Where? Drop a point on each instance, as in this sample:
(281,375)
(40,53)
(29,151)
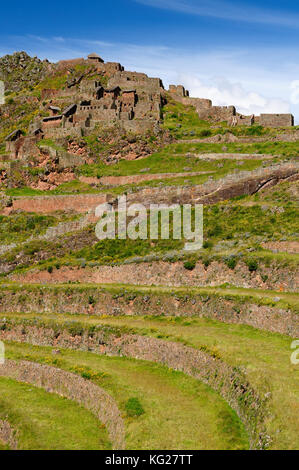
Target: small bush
(91,300)
(205,133)
(252,265)
(206,262)
(50,269)
(134,408)
(207,244)
(231,262)
(190,265)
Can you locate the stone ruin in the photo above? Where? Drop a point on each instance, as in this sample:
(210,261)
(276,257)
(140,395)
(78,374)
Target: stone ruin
(131,100)
(207,111)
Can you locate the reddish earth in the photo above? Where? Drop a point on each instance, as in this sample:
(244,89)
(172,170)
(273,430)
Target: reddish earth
(171,274)
(121,180)
(287,247)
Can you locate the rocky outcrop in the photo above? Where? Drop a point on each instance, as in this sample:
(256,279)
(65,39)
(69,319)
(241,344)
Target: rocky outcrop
(19,71)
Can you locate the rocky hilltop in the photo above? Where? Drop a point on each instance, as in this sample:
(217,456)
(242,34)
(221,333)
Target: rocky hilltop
(141,337)
(19,71)
(59,117)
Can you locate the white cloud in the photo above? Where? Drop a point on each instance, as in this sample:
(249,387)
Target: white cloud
(224,92)
(227,10)
(248,79)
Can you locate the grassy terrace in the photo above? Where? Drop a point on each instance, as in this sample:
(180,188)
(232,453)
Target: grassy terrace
(175,164)
(257,296)
(264,357)
(45,421)
(174,158)
(174,411)
(233,231)
(17,228)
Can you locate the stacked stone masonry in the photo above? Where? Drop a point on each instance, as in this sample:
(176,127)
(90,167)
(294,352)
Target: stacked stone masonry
(131,100)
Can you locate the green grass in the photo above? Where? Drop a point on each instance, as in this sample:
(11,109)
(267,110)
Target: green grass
(179,412)
(288,300)
(263,356)
(230,229)
(181,120)
(17,228)
(46,421)
(172,159)
(286,149)
(183,123)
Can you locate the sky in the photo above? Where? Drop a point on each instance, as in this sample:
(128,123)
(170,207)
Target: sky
(243,53)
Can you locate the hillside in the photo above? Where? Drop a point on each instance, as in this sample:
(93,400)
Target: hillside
(151,345)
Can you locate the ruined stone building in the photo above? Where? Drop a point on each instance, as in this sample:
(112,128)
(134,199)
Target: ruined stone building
(130,100)
(207,111)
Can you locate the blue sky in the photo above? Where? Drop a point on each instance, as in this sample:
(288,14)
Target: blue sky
(244,53)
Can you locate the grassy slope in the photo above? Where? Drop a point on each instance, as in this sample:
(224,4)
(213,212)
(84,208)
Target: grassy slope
(179,412)
(168,398)
(183,123)
(17,228)
(46,421)
(232,228)
(258,296)
(264,356)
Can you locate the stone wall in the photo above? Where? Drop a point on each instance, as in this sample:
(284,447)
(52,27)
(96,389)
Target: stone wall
(80,203)
(237,184)
(8,435)
(217,113)
(276,120)
(73,387)
(116,301)
(174,274)
(207,111)
(61,132)
(178,90)
(224,379)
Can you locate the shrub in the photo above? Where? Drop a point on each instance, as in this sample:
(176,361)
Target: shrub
(231,262)
(215,231)
(207,244)
(205,133)
(50,269)
(252,265)
(190,265)
(206,262)
(134,408)
(91,300)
